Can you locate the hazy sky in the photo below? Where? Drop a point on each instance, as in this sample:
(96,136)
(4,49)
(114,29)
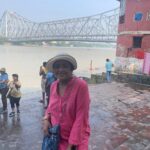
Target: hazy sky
(46,10)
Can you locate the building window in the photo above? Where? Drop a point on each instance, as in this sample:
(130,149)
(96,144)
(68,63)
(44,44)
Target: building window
(138,16)
(137,42)
(122,19)
(122,11)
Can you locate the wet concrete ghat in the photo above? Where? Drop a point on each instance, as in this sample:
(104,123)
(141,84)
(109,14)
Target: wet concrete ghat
(119,118)
(23,131)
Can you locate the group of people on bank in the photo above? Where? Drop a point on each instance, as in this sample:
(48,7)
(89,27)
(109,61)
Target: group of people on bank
(67,98)
(10,89)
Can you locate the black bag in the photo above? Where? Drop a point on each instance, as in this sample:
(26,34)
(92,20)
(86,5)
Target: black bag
(74,148)
(51,142)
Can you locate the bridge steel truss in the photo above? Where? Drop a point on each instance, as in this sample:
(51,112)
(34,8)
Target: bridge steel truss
(97,28)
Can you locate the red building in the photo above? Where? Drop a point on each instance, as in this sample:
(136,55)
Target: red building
(133,44)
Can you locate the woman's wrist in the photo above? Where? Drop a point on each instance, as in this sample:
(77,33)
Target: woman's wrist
(45,118)
(69,147)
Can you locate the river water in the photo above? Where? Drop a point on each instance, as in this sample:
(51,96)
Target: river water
(26,60)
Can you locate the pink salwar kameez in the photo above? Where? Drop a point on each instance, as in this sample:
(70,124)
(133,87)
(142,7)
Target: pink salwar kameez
(71,112)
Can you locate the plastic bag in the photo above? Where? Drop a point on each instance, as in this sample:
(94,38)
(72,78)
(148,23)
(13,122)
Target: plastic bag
(51,142)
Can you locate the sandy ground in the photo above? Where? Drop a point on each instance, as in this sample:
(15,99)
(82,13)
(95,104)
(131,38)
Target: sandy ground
(119,118)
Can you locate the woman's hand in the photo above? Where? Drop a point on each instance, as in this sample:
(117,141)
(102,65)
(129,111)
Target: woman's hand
(46,125)
(11,86)
(69,147)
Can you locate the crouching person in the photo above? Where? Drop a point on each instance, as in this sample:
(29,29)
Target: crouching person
(14,94)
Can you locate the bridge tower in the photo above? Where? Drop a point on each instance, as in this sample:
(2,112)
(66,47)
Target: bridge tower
(133,48)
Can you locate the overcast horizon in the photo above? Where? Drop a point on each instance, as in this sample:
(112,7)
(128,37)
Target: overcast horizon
(47,10)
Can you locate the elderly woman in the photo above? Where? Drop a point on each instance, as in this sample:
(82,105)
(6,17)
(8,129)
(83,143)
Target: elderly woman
(69,104)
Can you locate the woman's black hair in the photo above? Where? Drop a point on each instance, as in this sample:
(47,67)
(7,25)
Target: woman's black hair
(44,63)
(15,75)
(107,59)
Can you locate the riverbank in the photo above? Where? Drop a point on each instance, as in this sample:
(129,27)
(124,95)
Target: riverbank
(123,77)
(119,118)
(69,44)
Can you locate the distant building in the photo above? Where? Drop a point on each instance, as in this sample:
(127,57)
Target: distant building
(133,43)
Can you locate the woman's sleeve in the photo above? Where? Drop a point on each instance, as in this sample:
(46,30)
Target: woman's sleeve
(82,113)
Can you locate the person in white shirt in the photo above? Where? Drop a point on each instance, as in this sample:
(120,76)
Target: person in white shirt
(14,94)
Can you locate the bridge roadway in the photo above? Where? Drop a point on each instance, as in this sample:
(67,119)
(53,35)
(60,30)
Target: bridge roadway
(102,27)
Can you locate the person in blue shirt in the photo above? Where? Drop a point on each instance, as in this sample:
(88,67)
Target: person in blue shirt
(3,89)
(50,78)
(108,67)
